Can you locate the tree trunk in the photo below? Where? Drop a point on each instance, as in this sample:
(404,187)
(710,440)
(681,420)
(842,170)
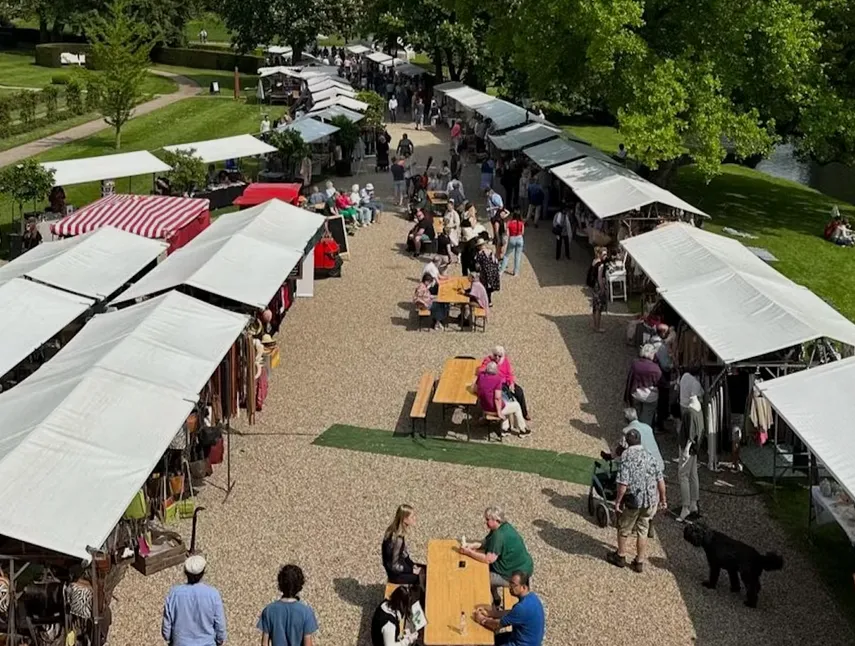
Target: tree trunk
(453,72)
(297,52)
(118,137)
(44,33)
(56,32)
(437,63)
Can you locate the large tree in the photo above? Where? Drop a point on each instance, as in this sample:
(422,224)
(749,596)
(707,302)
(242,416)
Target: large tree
(696,78)
(120,47)
(454,40)
(294,22)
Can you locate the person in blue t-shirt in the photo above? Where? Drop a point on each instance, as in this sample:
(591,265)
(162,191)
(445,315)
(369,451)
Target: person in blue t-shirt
(289,621)
(526,617)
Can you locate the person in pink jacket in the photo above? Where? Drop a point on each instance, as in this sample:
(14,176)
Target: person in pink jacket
(507,372)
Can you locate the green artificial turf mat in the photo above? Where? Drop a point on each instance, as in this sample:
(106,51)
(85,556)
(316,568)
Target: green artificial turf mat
(549,464)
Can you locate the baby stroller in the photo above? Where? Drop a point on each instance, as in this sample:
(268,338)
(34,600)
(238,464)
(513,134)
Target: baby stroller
(601,495)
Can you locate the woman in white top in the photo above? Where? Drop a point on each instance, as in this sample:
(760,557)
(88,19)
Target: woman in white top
(451,228)
(387,620)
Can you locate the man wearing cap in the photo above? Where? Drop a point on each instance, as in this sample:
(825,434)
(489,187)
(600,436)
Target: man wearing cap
(193,613)
(368,200)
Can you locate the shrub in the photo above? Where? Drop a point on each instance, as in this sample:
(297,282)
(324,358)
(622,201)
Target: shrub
(73,98)
(59,79)
(6,116)
(93,95)
(27,101)
(207,59)
(50,96)
(50,54)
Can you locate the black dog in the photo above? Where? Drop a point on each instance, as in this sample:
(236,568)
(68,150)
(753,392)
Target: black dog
(739,559)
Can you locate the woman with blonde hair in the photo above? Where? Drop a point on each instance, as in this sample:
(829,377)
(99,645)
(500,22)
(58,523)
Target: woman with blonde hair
(399,567)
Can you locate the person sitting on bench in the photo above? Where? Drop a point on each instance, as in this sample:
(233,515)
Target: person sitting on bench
(400,568)
(501,358)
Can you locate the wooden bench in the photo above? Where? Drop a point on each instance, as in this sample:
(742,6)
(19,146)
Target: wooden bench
(492,418)
(424,317)
(420,403)
(479,313)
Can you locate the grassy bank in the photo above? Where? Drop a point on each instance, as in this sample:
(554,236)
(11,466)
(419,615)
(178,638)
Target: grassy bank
(194,119)
(787,218)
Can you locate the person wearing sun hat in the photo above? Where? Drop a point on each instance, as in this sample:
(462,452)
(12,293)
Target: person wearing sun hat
(193,613)
(368,200)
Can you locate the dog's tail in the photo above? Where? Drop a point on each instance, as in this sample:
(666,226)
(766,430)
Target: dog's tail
(772,561)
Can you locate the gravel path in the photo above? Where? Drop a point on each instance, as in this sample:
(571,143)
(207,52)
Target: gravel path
(350,355)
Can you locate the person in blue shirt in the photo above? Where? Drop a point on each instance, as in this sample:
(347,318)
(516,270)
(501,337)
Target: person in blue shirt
(526,618)
(288,621)
(193,612)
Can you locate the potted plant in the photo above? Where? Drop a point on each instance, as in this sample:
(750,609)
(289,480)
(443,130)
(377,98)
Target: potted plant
(188,171)
(290,150)
(27,181)
(346,137)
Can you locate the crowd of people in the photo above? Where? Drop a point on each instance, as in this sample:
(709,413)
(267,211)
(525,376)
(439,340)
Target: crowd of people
(358,206)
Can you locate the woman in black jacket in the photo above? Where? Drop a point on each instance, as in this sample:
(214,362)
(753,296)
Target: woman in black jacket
(399,567)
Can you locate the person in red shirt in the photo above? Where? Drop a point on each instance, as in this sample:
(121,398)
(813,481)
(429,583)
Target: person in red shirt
(515,228)
(493,399)
(456,131)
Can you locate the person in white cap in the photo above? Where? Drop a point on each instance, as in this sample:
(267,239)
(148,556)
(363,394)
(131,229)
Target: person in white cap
(193,613)
(368,200)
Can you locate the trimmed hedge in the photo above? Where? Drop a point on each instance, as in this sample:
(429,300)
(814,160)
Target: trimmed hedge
(207,59)
(48,54)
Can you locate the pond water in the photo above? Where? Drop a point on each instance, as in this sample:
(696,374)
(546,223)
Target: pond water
(836,180)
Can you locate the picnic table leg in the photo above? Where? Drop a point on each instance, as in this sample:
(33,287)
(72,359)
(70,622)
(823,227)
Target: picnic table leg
(468,427)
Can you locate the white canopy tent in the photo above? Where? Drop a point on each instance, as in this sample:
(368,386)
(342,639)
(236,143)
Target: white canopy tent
(32,315)
(243,256)
(319,83)
(467,97)
(358,49)
(610,189)
(340,101)
(94,264)
(64,440)
(293,72)
(378,57)
(505,114)
(316,71)
(527,135)
(95,169)
(735,302)
(393,62)
(215,150)
(332,111)
(408,69)
(173,341)
(279,50)
(818,406)
(331,93)
(560,151)
(311,130)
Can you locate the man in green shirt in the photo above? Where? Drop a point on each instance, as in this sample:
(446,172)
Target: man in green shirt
(503,549)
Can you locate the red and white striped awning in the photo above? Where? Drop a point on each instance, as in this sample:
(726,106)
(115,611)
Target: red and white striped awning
(151,216)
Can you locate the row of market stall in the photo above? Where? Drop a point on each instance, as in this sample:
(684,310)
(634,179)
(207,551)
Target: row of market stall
(769,350)
(151,357)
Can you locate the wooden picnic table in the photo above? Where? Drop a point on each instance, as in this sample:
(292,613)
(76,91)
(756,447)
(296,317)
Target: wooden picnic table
(452,590)
(437,198)
(455,386)
(453,290)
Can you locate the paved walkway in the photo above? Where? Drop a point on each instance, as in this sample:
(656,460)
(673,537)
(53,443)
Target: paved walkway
(186,88)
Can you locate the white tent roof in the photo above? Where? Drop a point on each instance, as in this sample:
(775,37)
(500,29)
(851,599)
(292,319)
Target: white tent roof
(318,71)
(94,169)
(244,256)
(172,341)
(319,83)
(61,443)
(216,150)
(393,62)
(737,304)
(408,69)
(610,189)
(310,129)
(378,57)
(331,93)
(95,264)
(817,404)
(467,97)
(32,315)
(505,114)
(560,151)
(358,49)
(527,135)
(279,69)
(442,88)
(279,49)
(337,111)
(341,101)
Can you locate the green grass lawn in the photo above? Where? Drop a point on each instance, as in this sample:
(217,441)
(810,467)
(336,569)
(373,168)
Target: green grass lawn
(213,24)
(204,77)
(787,217)
(194,119)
